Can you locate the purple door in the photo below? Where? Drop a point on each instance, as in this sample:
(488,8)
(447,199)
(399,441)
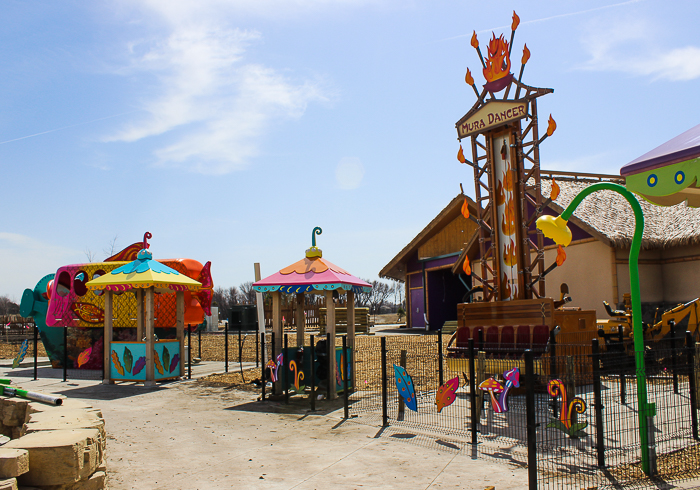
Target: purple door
(417,320)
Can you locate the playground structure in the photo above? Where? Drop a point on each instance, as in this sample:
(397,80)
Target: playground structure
(64,300)
(312,275)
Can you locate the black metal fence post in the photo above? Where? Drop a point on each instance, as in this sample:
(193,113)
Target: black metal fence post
(312,354)
(385,391)
(530,420)
(672,325)
(690,346)
(441,369)
(285,370)
(257,350)
(262,364)
(598,402)
(36,352)
(623,378)
(344,372)
(65,353)
(472,390)
(226,346)
(189,351)
(553,369)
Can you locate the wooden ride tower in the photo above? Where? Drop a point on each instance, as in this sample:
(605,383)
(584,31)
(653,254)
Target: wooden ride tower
(506,162)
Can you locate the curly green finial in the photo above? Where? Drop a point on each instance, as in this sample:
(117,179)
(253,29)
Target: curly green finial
(314,251)
(316,231)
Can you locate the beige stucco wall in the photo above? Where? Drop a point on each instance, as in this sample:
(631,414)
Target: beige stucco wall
(651,287)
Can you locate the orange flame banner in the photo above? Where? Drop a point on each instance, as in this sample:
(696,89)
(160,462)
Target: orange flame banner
(468,78)
(475,41)
(551,126)
(561,255)
(465,209)
(516,21)
(526,55)
(554,193)
(460,155)
(466,267)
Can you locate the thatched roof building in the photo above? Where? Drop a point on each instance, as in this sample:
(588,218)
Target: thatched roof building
(596,268)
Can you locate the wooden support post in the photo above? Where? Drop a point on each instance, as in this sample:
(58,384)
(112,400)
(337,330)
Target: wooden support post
(150,324)
(300,319)
(351,332)
(277,330)
(139,314)
(180,327)
(107,340)
(330,329)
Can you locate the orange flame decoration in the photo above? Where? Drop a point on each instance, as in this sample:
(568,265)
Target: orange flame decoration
(466,267)
(561,255)
(526,55)
(508,180)
(500,195)
(498,61)
(465,209)
(516,21)
(510,257)
(554,193)
(508,219)
(551,126)
(460,155)
(506,288)
(475,41)
(468,77)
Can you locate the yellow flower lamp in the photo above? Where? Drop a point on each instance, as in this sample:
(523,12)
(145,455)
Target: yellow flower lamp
(555,228)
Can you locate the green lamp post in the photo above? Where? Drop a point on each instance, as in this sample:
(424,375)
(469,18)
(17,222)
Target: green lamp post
(556,228)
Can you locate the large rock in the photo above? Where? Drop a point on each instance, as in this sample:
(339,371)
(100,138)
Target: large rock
(59,457)
(14,411)
(13,462)
(61,418)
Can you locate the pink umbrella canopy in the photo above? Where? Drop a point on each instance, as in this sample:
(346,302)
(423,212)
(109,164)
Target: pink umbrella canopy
(312,273)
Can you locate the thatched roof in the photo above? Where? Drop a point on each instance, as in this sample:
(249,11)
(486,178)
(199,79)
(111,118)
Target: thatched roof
(608,215)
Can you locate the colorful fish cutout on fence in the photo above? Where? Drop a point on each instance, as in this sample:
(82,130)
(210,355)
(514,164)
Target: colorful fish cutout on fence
(21,354)
(128,360)
(139,365)
(174,362)
(445,395)
(117,365)
(556,388)
(404,384)
(84,357)
(156,359)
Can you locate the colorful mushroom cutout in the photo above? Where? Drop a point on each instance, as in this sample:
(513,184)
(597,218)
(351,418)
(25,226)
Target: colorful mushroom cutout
(512,378)
(493,386)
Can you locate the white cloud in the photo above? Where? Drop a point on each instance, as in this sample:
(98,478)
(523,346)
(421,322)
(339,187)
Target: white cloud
(633,47)
(25,260)
(349,173)
(205,95)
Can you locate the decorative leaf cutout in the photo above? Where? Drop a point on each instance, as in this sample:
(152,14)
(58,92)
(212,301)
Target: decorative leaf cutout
(166,356)
(20,355)
(117,364)
(140,363)
(84,357)
(174,362)
(445,395)
(404,384)
(128,359)
(156,359)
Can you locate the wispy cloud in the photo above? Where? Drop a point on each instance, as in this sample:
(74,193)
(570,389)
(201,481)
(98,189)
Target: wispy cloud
(201,91)
(631,47)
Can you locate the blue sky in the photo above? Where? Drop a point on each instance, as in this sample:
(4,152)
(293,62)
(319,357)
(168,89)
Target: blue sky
(229,129)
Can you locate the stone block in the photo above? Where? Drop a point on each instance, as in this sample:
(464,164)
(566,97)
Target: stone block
(13,462)
(8,484)
(14,411)
(68,419)
(59,457)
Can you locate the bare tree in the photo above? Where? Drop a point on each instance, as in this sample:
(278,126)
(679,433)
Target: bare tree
(8,307)
(247,293)
(89,254)
(111,247)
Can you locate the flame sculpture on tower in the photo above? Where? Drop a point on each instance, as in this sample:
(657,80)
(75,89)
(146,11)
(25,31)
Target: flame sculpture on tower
(502,129)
